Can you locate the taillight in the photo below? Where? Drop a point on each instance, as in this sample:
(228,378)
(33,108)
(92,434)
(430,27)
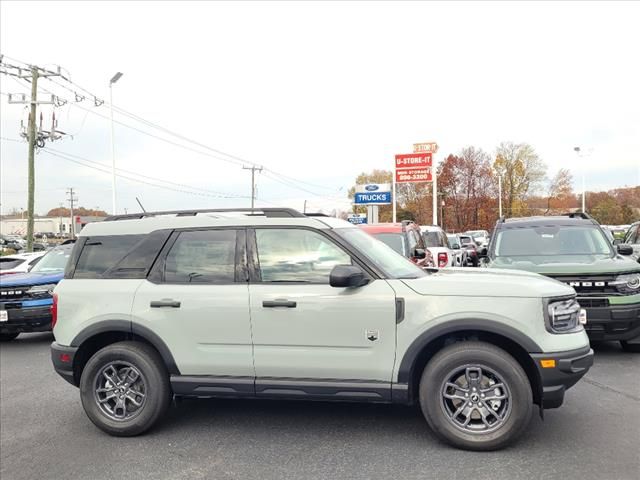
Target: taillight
(54,310)
(443,259)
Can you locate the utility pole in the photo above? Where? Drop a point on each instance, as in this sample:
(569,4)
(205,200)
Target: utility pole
(499,196)
(71,200)
(253,169)
(34,138)
(32,151)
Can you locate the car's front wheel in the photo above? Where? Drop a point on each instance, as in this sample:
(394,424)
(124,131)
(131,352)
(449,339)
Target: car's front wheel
(476,396)
(125,388)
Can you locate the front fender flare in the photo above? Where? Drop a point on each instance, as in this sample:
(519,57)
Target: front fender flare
(405,370)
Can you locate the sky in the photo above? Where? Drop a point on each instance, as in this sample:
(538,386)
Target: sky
(316,93)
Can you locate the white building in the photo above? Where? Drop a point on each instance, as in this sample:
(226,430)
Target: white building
(18,226)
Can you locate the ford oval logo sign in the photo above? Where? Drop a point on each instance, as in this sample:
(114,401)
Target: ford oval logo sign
(371,188)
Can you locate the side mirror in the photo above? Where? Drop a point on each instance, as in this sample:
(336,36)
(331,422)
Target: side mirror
(624,249)
(617,241)
(419,253)
(347,276)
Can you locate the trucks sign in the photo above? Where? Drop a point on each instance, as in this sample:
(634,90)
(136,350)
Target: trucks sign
(373,194)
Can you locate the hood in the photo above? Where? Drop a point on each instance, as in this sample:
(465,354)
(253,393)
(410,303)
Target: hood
(482,282)
(569,264)
(30,279)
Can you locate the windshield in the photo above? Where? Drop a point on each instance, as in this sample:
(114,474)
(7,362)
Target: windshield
(380,255)
(393,240)
(545,241)
(54,261)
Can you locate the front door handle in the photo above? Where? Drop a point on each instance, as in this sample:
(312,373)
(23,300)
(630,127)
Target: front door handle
(165,302)
(279,303)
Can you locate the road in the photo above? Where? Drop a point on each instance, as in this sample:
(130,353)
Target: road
(44,434)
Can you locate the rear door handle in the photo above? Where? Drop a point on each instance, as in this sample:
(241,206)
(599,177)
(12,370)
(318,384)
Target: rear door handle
(279,303)
(165,302)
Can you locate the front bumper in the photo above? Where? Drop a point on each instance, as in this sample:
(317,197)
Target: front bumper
(569,367)
(612,322)
(62,358)
(26,319)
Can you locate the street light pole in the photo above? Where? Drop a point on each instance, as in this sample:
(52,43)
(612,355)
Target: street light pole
(113,80)
(584,209)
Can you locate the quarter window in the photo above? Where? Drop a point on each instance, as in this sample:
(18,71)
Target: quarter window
(101,253)
(202,257)
(291,255)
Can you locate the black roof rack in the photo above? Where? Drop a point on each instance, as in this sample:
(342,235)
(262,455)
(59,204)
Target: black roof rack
(316,214)
(258,212)
(583,215)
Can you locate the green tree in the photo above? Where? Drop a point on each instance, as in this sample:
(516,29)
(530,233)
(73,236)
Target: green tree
(608,212)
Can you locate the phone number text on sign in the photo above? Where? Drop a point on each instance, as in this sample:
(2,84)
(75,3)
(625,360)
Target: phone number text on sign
(413,175)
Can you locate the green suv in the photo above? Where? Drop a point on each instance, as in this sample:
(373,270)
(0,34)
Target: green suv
(574,249)
(275,304)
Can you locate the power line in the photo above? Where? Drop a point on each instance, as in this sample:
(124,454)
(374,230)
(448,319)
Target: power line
(286,180)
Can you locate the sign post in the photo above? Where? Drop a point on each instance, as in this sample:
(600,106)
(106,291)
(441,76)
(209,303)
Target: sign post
(431,147)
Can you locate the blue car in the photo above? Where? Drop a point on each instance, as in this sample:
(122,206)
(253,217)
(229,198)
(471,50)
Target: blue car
(26,299)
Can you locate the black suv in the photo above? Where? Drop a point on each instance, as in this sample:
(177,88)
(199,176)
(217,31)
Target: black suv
(574,249)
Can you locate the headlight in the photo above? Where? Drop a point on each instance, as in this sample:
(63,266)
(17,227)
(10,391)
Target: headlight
(628,284)
(563,316)
(43,290)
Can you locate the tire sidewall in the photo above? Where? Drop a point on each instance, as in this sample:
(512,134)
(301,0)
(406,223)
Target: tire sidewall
(154,373)
(484,355)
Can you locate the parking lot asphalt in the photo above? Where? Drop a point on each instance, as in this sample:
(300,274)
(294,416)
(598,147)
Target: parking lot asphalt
(45,434)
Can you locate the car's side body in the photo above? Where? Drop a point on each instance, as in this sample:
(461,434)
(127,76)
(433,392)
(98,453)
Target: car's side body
(236,336)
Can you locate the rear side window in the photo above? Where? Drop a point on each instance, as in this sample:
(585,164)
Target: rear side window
(206,256)
(102,253)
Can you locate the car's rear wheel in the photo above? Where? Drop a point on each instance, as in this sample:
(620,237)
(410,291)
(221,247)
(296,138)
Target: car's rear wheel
(7,337)
(630,347)
(476,396)
(125,388)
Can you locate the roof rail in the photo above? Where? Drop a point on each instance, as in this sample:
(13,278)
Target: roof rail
(258,212)
(583,215)
(316,214)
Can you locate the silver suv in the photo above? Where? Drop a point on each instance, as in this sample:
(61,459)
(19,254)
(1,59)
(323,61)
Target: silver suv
(275,304)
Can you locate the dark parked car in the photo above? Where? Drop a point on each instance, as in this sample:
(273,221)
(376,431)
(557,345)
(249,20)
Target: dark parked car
(574,249)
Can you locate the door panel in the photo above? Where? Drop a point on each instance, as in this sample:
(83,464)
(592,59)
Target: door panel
(305,329)
(325,335)
(198,302)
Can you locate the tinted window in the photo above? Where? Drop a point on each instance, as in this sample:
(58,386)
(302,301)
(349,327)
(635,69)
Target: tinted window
(632,236)
(206,256)
(433,239)
(9,263)
(101,253)
(551,241)
(393,240)
(290,255)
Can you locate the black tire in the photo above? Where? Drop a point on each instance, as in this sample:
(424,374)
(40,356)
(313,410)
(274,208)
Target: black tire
(630,347)
(7,337)
(518,409)
(152,373)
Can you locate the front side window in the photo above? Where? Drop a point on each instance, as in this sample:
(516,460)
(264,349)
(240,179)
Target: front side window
(295,255)
(548,241)
(393,240)
(206,256)
(380,254)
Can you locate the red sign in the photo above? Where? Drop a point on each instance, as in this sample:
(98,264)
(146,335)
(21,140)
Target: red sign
(413,175)
(413,160)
